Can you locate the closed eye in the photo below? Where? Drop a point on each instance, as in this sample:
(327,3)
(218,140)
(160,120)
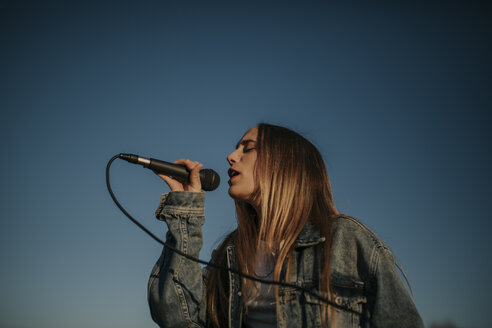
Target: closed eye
(246,143)
(247,150)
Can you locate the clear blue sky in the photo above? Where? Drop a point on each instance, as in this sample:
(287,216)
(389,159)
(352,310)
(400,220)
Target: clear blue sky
(396,97)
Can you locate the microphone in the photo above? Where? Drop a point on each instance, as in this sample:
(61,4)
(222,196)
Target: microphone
(209,178)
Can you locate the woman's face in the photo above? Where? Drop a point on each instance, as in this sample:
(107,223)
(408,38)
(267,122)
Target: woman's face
(242,161)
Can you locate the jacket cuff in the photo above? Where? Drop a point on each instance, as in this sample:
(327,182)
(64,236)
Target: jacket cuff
(183,203)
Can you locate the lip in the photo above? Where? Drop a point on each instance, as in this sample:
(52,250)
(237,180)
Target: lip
(230,172)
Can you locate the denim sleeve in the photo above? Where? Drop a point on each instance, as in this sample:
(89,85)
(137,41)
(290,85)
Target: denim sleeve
(393,306)
(176,285)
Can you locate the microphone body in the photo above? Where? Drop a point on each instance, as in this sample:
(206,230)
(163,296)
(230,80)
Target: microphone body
(209,178)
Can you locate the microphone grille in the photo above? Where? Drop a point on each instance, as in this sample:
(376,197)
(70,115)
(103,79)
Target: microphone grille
(210,179)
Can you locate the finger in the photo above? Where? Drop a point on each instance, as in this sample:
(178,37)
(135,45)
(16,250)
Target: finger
(189,164)
(195,175)
(181,161)
(194,184)
(173,184)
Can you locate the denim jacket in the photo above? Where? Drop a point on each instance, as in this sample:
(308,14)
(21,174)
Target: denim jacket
(363,276)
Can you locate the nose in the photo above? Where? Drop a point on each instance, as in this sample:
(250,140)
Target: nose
(233,157)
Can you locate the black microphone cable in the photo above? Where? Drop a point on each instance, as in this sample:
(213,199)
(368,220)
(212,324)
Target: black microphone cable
(220,267)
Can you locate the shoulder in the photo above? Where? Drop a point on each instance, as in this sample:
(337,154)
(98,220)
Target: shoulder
(347,229)
(356,248)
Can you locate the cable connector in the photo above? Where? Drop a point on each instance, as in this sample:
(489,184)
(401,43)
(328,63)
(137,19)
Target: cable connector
(130,158)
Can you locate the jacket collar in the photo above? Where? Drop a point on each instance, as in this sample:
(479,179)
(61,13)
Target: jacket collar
(309,236)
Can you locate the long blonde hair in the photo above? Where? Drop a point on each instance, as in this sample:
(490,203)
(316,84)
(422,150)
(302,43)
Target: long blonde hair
(292,187)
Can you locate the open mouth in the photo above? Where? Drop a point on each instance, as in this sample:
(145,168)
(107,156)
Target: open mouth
(232,173)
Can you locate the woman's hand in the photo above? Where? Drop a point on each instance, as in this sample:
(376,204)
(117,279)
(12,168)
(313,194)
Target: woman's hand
(194,184)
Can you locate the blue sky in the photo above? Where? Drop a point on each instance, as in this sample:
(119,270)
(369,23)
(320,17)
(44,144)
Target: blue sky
(395,96)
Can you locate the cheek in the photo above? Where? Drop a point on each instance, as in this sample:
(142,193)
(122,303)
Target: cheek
(251,163)
(253,171)
(251,184)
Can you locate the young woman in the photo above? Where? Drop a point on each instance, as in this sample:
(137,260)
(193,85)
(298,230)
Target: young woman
(289,230)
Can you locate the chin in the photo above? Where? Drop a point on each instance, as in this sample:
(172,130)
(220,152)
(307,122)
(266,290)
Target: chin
(240,197)
(235,195)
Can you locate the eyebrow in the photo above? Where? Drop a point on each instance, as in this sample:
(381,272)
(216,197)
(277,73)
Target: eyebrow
(244,142)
